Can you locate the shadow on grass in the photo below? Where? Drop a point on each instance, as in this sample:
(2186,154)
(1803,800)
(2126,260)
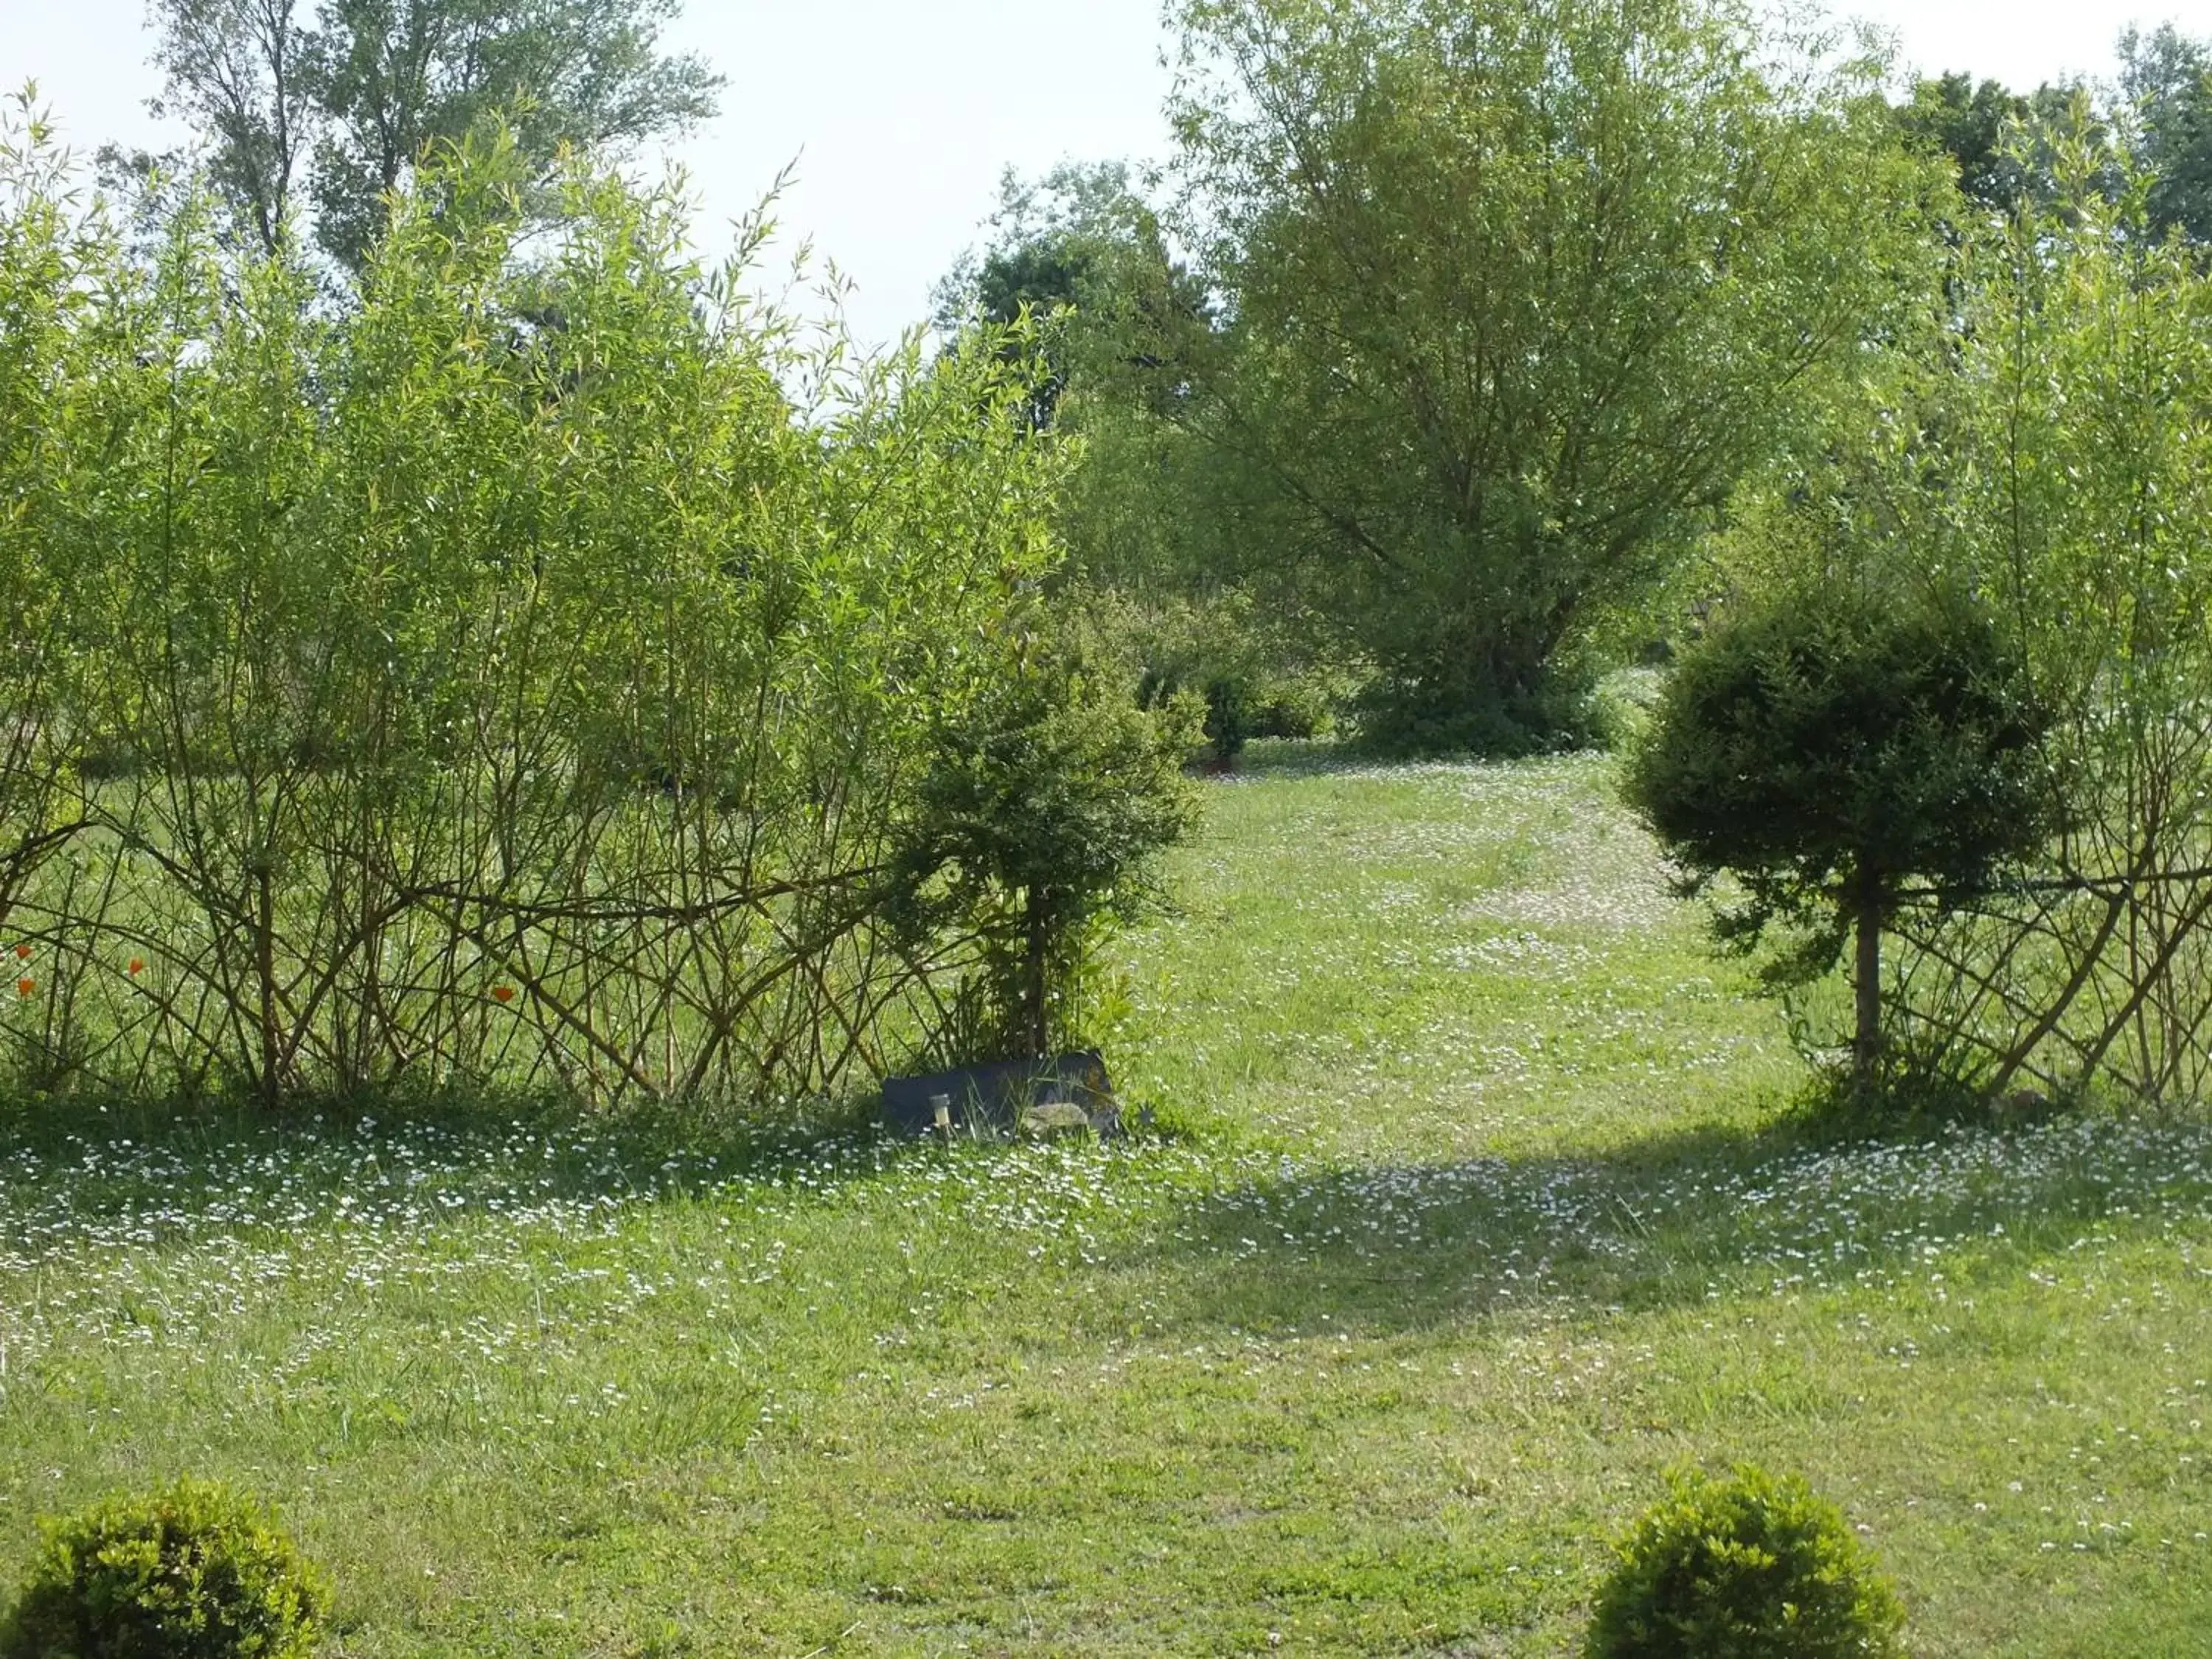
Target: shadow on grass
(1313,758)
(198,1168)
(1792,1206)
(1664,1222)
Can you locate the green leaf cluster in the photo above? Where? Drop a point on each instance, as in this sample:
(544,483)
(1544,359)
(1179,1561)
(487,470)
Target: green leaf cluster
(1749,1567)
(2037,438)
(1042,815)
(195,1571)
(520,674)
(1823,745)
(1509,298)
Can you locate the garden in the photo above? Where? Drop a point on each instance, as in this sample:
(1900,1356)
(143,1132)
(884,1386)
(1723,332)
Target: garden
(1575,646)
(1476,1205)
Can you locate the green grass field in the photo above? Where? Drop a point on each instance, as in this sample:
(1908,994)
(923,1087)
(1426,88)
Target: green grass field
(1476,1204)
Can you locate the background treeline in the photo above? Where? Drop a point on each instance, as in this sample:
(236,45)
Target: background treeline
(1424,373)
(1461,354)
(542,668)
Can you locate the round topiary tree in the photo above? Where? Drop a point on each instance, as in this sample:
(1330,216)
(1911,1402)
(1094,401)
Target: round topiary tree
(198,1571)
(1043,814)
(1745,1568)
(1827,748)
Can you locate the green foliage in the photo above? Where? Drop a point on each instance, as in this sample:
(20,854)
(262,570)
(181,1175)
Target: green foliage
(1622,707)
(518,677)
(1081,253)
(341,110)
(2003,143)
(2156,120)
(1249,671)
(1450,710)
(1511,296)
(197,1572)
(1042,815)
(1828,744)
(1822,746)
(1972,123)
(1745,1568)
(2166,76)
(2038,439)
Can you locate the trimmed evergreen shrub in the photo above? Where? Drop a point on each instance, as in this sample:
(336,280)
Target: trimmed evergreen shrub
(197,1572)
(1828,745)
(1750,1567)
(1042,819)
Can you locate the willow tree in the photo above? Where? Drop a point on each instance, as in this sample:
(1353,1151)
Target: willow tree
(504,680)
(337,108)
(2059,460)
(1513,291)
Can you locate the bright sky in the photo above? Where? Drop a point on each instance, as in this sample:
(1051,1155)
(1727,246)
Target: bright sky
(902,114)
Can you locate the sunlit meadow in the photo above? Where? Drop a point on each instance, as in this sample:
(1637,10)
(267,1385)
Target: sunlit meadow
(1474,1200)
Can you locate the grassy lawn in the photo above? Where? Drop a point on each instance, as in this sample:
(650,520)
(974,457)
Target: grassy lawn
(1475,1205)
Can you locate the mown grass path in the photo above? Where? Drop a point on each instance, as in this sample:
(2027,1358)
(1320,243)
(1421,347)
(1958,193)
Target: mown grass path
(1479,1208)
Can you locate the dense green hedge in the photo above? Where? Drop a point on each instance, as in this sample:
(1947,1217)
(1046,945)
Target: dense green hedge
(520,670)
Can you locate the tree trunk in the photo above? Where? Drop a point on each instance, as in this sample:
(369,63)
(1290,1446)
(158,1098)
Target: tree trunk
(265,971)
(1036,966)
(1867,1049)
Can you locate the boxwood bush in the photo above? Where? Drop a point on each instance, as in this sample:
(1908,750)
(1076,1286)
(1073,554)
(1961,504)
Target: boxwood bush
(1750,1567)
(197,1572)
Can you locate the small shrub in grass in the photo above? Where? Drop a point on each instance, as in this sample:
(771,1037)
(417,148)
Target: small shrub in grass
(1747,1568)
(198,1571)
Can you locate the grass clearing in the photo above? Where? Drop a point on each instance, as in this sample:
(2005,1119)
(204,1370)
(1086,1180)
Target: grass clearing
(1477,1206)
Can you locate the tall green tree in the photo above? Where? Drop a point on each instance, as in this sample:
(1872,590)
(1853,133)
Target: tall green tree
(2167,77)
(337,110)
(1082,254)
(1514,293)
(243,73)
(399,74)
(1971,122)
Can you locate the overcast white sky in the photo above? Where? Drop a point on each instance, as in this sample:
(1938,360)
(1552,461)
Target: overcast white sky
(901,113)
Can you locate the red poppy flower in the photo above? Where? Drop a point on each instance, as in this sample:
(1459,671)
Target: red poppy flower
(137,965)
(502,993)
(25,987)
(22,953)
